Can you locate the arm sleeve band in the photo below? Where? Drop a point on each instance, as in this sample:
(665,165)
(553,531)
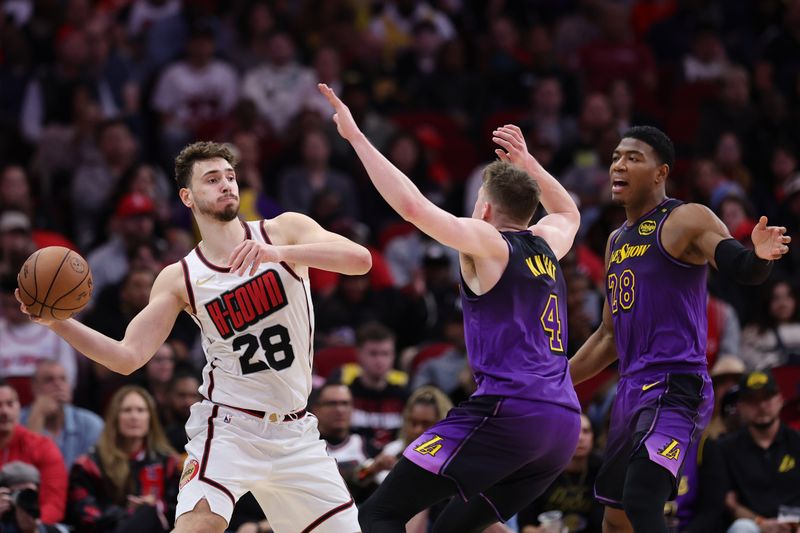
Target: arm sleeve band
(743,265)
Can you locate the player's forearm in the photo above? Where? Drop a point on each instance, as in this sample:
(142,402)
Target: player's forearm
(342,256)
(596,354)
(395,187)
(554,197)
(96,346)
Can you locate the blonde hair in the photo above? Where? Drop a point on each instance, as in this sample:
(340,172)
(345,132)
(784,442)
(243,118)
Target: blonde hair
(426,395)
(113,458)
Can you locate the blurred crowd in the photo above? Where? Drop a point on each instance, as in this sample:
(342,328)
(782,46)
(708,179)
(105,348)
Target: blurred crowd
(98,96)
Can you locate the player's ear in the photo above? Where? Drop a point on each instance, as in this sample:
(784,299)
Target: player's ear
(185,194)
(486,211)
(662,172)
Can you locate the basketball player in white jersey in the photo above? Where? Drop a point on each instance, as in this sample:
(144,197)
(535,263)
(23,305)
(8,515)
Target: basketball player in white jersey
(246,286)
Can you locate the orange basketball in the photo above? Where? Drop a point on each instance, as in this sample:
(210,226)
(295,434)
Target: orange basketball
(55,282)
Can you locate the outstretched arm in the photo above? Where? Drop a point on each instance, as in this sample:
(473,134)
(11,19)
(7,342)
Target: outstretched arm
(146,332)
(470,236)
(708,238)
(561,223)
(306,243)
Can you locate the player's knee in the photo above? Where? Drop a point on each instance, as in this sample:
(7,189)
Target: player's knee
(200,520)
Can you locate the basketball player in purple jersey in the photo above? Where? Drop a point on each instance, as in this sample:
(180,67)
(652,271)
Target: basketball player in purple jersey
(501,448)
(654,321)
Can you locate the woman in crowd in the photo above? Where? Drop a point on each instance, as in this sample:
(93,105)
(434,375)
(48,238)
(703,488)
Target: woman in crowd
(129,481)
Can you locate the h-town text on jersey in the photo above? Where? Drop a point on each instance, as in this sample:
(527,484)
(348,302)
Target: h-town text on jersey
(250,302)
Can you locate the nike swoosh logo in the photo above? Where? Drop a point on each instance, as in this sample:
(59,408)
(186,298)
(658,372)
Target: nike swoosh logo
(650,386)
(203,281)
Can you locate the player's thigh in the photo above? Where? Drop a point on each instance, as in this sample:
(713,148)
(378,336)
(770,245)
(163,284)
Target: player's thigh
(200,520)
(223,459)
(307,493)
(616,521)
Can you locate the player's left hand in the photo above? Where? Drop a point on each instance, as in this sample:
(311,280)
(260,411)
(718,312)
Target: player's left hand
(769,242)
(513,149)
(342,117)
(250,254)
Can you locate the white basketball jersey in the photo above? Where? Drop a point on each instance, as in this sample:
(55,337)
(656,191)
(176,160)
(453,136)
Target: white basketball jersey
(256,331)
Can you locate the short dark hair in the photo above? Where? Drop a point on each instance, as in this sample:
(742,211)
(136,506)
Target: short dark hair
(373,331)
(514,191)
(657,140)
(200,151)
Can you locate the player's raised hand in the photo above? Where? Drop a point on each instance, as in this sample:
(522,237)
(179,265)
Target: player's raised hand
(769,242)
(342,117)
(513,148)
(250,254)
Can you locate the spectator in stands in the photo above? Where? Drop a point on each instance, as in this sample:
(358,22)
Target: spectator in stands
(443,371)
(733,112)
(18,443)
(426,406)
(278,86)
(19,500)
(156,378)
(50,96)
(24,343)
(299,184)
(774,337)
(333,407)
(183,394)
(134,224)
(761,459)
(572,492)
(724,331)
(73,429)
(725,375)
(130,478)
(379,392)
(97,176)
(194,94)
(16,242)
(699,504)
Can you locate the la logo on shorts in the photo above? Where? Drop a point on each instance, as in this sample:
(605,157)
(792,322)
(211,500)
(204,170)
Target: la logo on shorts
(189,471)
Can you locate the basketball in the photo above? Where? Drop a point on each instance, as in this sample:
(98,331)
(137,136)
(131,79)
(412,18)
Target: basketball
(55,282)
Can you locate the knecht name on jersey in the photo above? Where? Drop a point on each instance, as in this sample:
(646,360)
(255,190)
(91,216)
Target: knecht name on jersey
(241,307)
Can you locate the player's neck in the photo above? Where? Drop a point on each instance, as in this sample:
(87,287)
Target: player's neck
(220,238)
(635,212)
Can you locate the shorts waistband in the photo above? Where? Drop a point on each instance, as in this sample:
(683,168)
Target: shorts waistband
(272,417)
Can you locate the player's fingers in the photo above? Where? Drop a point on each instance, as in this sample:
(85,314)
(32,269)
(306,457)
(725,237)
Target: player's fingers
(501,154)
(502,142)
(249,259)
(16,295)
(509,135)
(786,239)
(239,255)
(762,222)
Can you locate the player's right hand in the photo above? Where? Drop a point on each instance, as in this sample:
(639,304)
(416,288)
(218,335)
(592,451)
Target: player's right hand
(24,309)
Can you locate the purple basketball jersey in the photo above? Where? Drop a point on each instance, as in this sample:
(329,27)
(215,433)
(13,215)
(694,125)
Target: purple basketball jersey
(658,303)
(516,334)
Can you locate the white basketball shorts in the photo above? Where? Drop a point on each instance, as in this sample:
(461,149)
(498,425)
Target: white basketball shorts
(284,464)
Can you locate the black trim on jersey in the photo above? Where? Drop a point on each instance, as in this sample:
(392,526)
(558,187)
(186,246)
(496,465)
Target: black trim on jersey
(247,236)
(188,284)
(313,525)
(206,452)
(282,263)
(211,380)
(310,330)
